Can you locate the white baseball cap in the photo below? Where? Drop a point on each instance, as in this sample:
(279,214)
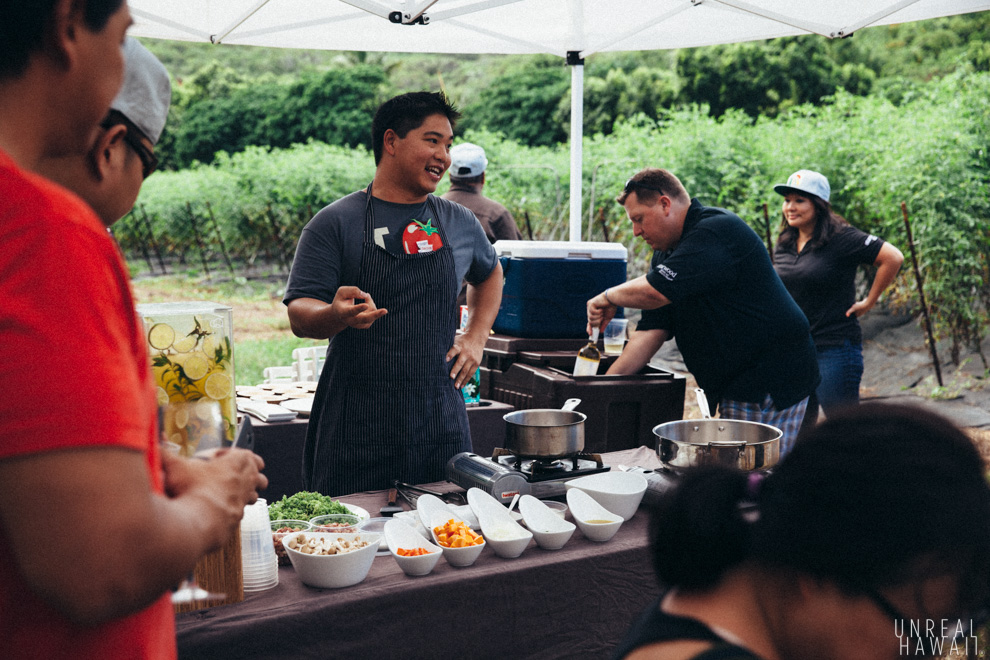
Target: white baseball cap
(805,181)
(146,92)
(467,160)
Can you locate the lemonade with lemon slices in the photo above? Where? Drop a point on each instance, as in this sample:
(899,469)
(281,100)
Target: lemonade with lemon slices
(192,354)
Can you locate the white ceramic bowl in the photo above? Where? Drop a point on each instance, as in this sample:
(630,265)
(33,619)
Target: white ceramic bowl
(619,492)
(400,535)
(508,540)
(334,571)
(595,521)
(459,557)
(507,537)
(548,526)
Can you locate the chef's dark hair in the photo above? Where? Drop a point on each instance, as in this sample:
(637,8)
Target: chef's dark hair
(875,496)
(827,223)
(406,112)
(23,24)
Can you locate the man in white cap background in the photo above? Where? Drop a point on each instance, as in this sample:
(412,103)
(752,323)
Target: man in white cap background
(467,179)
(109,176)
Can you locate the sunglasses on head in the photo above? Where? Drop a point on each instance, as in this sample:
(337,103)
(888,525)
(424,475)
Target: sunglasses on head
(633,185)
(149,161)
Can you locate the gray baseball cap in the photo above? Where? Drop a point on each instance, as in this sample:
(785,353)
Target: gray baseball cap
(467,160)
(805,181)
(147,91)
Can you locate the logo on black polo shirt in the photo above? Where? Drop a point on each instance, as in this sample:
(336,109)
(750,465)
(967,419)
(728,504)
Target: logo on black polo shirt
(870,239)
(666,272)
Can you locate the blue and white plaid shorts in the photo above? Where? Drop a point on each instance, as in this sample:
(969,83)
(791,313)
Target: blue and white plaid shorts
(787,420)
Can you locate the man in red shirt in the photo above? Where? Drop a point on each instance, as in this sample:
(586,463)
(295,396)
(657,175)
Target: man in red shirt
(95,524)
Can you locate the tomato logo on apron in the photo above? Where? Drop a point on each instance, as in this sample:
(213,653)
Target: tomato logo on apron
(419,237)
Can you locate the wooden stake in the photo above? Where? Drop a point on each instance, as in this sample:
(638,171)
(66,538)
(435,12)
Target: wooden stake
(921,293)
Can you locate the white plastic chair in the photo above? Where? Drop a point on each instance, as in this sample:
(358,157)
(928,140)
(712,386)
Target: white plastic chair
(280,374)
(308,362)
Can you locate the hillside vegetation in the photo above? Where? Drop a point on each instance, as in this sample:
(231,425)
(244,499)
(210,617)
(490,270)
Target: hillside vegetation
(892,115)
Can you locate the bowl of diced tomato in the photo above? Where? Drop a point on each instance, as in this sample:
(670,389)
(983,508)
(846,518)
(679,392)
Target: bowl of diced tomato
(460,544)
(414,554)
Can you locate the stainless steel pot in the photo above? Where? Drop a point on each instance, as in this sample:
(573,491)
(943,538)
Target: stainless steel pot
(730,442)
(545,432)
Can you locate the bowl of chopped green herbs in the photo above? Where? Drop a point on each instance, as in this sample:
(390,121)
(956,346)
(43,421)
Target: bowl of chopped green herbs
(305,505)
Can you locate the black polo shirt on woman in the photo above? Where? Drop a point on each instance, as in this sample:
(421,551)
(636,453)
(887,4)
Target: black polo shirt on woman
(822,281)
(741,334)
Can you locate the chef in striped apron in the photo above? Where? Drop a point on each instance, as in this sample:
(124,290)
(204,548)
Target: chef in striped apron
(378,272)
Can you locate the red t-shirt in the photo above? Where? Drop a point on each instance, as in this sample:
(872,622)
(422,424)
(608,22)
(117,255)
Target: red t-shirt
(74,371)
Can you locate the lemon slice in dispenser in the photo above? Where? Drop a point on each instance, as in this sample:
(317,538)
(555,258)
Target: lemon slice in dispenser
(161,336)
(218,386)
(185,344)
(196,366)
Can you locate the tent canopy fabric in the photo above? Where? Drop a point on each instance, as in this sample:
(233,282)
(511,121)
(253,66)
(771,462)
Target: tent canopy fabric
(569,28)
(518,26)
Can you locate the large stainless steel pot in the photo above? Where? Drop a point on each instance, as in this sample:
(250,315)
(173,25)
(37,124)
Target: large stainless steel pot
(730,442)
(545,432)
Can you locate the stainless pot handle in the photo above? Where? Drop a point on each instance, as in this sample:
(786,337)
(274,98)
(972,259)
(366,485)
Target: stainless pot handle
(727,453)
(706,412)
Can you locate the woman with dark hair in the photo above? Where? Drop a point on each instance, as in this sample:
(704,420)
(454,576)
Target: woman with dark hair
(871,539)
(817,256)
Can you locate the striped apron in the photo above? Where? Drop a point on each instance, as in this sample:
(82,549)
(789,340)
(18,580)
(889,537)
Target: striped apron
(386,407)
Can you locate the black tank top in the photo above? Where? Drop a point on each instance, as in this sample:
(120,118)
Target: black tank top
(655,626)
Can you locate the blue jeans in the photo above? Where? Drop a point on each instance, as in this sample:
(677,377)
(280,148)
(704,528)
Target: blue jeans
(841,368)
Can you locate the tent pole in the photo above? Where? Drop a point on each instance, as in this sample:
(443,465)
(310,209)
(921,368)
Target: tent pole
(576,62)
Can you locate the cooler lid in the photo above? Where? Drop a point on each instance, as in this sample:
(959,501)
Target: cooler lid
(560,250)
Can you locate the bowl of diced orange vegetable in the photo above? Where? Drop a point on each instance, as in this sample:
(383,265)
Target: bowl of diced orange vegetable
(414,554)
(460,544)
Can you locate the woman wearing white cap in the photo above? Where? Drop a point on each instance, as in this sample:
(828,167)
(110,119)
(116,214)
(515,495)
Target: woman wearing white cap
(817,256)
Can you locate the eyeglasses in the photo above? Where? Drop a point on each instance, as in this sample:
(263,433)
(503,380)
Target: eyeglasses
(149,161)
(632,185)
(914,637)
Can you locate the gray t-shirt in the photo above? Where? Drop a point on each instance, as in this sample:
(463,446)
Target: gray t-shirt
(329,251)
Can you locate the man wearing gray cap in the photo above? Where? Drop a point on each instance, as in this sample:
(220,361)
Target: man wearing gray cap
(109,176)
(79,444)
(467,177)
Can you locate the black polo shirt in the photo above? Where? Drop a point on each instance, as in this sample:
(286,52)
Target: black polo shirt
(822,282)
(740,332)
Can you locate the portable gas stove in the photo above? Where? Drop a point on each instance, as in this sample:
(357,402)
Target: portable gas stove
(505,474)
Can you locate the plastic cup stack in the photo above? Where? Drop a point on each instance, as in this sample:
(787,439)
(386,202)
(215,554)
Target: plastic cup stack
(258,561)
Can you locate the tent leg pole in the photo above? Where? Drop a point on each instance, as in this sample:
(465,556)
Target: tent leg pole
(577,134)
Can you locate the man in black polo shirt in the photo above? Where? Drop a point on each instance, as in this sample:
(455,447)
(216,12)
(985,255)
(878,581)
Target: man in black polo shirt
(712,286)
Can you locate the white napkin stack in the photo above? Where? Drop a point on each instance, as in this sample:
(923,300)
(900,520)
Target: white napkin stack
(266,412)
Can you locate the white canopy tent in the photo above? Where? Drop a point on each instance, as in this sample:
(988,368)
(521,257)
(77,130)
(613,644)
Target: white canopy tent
(573,29)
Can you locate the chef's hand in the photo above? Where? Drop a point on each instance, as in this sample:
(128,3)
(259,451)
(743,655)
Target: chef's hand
(355,308)
(600,312)
(468,351)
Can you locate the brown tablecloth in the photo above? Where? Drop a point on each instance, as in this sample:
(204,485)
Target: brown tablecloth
(576,602)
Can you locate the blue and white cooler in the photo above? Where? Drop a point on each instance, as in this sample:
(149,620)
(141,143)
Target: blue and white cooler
(548,284)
